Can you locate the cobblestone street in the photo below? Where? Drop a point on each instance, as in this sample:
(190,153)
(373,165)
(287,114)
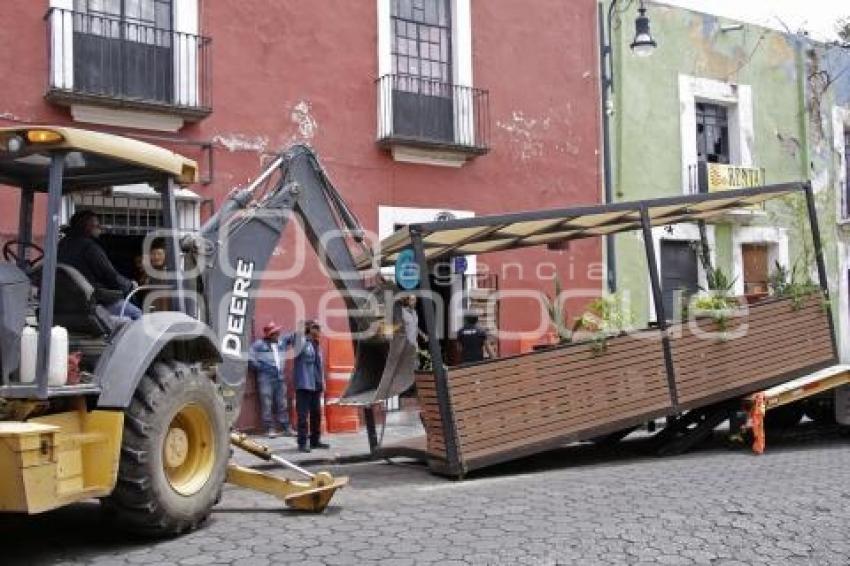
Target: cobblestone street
(578,505)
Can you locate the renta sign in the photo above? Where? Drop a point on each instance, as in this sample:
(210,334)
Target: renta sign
(723,177)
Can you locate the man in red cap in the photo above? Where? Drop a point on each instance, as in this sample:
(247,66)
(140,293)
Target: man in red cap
(267,361)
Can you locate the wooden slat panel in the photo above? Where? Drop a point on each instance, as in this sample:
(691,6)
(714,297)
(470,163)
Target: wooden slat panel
(779,340)
(430,411)
(550,394)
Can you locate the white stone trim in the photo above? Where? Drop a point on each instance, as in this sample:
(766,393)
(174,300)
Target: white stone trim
(186,21)
(390,216)
(62,45)
(776,240)
(680,233)
(840,122)
(142,120)
(739,100)
(461,42)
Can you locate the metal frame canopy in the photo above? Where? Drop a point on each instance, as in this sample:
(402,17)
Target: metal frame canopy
(484,234)
(92,159)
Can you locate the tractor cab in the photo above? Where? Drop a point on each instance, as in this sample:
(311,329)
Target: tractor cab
(47,166)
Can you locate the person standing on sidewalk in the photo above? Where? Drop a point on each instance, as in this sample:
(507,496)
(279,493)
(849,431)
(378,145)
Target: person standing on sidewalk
(309,385)
(267,361)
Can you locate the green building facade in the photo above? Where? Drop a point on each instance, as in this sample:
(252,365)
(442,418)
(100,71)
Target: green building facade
(721,105)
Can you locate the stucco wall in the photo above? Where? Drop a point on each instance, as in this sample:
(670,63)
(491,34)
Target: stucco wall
(304,71)
(650,160)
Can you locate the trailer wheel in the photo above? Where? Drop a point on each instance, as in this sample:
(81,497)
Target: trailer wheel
(174,452)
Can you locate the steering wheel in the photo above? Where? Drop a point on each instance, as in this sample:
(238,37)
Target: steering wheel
(10,255)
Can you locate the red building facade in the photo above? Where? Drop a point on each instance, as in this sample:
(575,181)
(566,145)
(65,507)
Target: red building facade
(417,108)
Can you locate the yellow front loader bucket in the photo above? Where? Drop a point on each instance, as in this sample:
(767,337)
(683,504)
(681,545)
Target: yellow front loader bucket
(313,494)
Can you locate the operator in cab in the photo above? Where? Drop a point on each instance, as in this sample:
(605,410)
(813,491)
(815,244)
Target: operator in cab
(80,250)
(474,341)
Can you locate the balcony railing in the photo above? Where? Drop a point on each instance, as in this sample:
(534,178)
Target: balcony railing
(423,112)
(108,61)
(713,177)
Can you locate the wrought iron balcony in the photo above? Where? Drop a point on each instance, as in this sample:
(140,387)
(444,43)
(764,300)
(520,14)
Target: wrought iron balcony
(107,61)
(426,113)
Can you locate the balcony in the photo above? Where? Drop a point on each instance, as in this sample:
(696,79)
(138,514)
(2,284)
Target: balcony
(713,177)
(707,177)
(105,61)
(425,117)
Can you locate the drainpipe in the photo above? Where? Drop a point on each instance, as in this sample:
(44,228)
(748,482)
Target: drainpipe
(607,83)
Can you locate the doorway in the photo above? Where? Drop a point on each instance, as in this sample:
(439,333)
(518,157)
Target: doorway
(756,268)
(679,274)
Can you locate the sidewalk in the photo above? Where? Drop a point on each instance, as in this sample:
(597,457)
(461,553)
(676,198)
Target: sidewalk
(346,448)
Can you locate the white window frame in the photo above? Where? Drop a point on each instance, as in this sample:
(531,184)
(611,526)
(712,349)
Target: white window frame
(776,240)
(840,124)
(461,41)
(738,99)
(391,216)
(185,20)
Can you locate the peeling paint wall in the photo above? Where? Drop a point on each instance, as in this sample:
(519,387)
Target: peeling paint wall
(651,148)
(285,72)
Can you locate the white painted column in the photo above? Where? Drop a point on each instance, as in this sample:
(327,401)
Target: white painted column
(385,68)
(464,101)
(186,45)
(62,45)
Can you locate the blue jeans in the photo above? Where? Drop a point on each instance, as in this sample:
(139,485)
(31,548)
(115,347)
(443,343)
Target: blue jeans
(131,311)
(309,406)
(273,401)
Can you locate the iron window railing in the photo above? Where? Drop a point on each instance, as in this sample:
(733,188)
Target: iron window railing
(699,177)
(426,112)
(102,58)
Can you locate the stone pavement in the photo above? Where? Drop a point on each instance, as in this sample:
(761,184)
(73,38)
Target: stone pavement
(578,505)
(345,447)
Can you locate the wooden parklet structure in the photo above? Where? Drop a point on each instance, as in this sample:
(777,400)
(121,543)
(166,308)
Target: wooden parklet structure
(480,414)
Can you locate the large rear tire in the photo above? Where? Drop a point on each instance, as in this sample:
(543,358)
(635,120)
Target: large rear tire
(174,452)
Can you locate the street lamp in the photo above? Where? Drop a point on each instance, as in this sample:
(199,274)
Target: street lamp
(642,45)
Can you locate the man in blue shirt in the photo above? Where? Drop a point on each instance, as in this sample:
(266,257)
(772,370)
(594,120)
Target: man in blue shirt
(267,361)
(309,384)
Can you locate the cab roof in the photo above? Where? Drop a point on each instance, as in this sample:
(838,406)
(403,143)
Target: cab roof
(93,159)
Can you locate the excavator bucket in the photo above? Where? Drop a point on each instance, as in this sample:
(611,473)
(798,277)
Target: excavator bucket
(312,495)
(383,369)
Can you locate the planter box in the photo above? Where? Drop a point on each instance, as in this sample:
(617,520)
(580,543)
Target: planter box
(524,404)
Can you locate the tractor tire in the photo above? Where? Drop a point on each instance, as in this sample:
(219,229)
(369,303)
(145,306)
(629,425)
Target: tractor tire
(784,417)
(174,452)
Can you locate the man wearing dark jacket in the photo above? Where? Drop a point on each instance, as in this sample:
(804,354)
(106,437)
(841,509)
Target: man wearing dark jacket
(80,250)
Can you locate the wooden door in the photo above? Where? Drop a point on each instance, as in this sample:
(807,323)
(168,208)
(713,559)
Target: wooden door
(756,268)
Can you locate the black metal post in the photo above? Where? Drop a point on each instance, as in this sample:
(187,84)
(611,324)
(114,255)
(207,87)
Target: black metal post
(705,251)
(821,264)
(169,221)
(440,373)
(658,299)
(48,274)
(371,429)
(24,225)
(606,61)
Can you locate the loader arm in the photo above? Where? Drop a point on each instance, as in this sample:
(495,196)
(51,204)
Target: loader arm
(238,241)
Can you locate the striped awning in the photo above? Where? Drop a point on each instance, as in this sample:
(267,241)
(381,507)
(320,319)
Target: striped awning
(483,234)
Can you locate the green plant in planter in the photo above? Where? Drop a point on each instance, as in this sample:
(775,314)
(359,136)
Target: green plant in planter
(717,300)
(796,285)
(558,314)
(605,317)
